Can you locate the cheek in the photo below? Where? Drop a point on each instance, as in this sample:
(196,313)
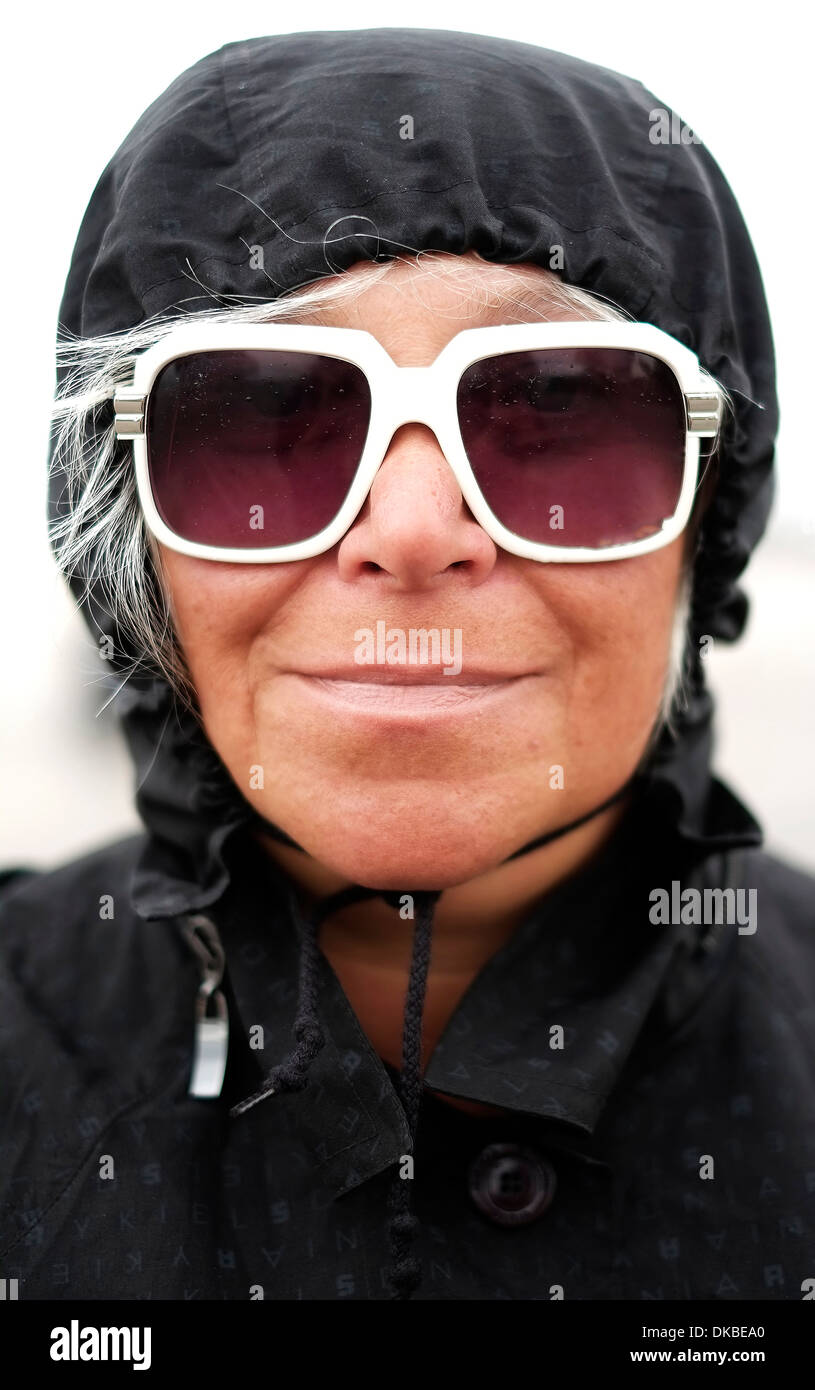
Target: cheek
(619,621)
(218,610)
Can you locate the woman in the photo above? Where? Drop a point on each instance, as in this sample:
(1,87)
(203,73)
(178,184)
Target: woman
(444,968)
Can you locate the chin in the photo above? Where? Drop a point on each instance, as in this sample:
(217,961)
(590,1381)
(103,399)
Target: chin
(421,857)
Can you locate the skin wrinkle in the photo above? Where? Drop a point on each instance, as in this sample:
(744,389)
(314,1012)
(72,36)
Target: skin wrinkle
(440,807)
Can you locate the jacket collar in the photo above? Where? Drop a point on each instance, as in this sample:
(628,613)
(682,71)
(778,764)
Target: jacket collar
(586,960)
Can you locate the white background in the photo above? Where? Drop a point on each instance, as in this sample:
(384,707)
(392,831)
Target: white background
(77,78)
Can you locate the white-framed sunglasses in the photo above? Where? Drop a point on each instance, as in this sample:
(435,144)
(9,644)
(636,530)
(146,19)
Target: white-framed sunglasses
(570,441)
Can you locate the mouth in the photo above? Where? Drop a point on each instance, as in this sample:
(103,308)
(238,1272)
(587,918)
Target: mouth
(404,692)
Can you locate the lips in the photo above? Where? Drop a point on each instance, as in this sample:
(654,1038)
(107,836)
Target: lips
(405,694)
(398,674)
(408,694)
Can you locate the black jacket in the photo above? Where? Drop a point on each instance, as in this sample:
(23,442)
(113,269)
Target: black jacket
(666,1151)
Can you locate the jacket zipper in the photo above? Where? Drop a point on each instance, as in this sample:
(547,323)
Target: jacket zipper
(211,1014)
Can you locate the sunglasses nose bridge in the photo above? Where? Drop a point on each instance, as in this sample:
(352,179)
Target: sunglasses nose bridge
(416,395)
(413,398)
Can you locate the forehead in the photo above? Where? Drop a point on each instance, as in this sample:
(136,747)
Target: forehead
(441,294)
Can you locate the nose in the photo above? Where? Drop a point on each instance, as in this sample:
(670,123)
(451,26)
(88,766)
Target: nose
(415,528)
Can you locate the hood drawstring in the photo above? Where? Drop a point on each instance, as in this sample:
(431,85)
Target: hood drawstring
(406,1273)
(309,1039)
(292,1073)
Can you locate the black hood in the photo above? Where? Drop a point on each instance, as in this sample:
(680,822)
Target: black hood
(293,144)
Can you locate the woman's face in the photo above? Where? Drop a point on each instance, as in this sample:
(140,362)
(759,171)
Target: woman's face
(397,776)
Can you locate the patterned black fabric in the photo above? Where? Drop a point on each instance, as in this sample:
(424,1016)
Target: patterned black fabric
(682,1045)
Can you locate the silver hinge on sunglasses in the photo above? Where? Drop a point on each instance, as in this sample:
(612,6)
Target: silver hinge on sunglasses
(704,410)
(129,413)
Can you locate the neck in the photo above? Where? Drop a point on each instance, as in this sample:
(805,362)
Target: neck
(472,919)
(369,945)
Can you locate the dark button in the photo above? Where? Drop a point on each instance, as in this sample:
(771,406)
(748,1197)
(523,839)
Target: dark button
(511,1185)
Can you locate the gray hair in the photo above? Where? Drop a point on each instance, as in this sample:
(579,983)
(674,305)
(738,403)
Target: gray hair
(101,533)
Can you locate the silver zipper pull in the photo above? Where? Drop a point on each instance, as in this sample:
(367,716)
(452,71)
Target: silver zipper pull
(211,1015)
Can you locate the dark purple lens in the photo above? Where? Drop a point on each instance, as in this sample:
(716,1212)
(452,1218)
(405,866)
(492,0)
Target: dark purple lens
(575,446)
(254,449)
